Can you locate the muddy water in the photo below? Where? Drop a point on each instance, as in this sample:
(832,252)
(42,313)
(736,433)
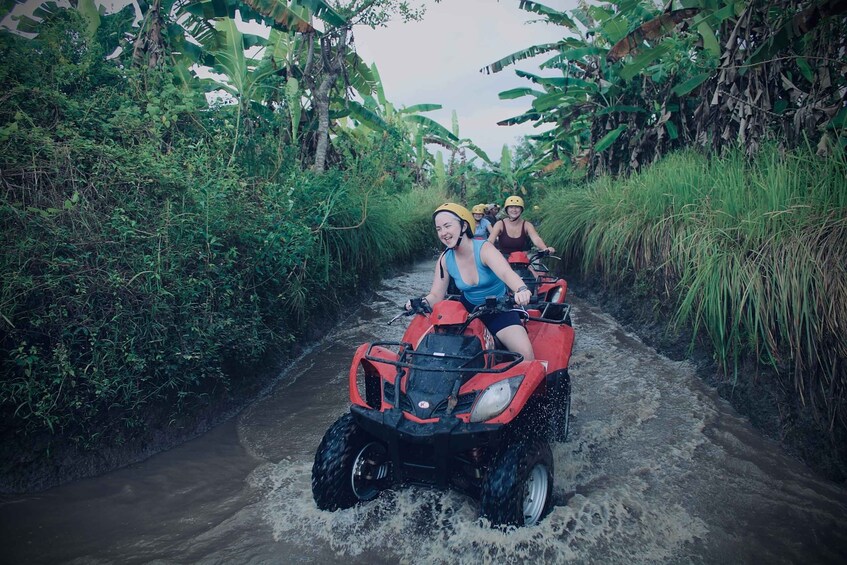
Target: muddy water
(657,470)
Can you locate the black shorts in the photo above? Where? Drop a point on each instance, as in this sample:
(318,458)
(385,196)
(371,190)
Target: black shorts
(496,321)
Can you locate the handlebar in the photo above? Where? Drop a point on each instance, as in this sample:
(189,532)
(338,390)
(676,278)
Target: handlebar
(494,304)
(419,306)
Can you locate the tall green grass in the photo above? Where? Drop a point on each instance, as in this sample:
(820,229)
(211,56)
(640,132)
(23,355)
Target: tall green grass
(755,254)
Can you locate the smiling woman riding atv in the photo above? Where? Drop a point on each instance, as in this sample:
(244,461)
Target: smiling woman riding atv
(479,271)
(444,406)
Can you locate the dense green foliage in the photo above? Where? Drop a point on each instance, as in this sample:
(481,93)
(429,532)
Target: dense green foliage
(753,252)
(633,80)
(142,261)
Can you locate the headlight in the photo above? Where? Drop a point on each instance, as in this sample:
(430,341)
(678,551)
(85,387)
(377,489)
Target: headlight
(495,399)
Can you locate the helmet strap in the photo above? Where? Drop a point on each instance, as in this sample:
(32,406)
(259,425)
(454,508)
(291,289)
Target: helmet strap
(458,242)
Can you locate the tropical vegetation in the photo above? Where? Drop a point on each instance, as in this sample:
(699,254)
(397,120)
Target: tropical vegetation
(159,242)
(739,109)
(632,80)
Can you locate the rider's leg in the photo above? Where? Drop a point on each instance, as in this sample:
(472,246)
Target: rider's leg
(515,339)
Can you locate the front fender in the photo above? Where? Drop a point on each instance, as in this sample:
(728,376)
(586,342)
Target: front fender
(365,373)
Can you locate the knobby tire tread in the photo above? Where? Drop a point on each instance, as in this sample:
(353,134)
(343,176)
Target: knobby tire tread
(501,498)
(333,465)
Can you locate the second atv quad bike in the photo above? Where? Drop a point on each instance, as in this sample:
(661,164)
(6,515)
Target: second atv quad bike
(445,407)
(545,286)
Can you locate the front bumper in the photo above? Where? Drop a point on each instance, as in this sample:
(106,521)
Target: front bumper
(430,453)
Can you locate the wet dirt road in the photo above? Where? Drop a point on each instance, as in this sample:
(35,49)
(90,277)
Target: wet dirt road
(657,469)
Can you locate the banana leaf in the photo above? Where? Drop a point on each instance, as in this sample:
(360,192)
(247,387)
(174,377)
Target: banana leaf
(649,31)
(687,86)
(473,147)
(419,108)
(638,64)
(573,55)
(431,126)
(518,93)
(379,90)
(498,66)
(710,40)
(559,99)
(324,11)
(523,118)
(560,82)
(607,140)
(363,115)
(359,75)
(553,16)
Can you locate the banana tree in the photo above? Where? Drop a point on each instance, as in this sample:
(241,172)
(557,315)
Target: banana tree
(613,98)
(328,53)
(30,24)
(638,81)
(376,113)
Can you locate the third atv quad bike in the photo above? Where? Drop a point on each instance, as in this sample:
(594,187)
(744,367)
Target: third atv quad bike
(445,407)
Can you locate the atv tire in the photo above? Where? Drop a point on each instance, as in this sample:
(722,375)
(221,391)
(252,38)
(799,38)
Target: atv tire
(349,467)
(518,488)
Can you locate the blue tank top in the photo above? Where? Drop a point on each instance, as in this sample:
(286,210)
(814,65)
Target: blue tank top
(482,228)
(489,283)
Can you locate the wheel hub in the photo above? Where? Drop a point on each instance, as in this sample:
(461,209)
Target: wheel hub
(370,470)
(535,494)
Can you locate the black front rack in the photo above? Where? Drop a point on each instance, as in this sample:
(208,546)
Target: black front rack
(552,313)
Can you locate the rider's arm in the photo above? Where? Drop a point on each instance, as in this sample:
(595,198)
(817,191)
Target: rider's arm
(497,263)
(494,232)
(439,284)
(536,239)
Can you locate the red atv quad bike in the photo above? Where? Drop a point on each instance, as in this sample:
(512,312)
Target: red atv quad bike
(545,286)
(445,408)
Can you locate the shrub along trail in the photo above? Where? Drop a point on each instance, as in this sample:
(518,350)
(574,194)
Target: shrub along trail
(658,469)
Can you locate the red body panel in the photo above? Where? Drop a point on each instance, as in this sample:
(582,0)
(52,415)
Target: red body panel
(552,344)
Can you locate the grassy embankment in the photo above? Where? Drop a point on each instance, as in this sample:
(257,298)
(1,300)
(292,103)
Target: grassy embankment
(751,257)
(148,269)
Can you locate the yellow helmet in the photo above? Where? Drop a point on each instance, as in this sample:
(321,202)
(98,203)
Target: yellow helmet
(479,209)
(514,201)
(460,212)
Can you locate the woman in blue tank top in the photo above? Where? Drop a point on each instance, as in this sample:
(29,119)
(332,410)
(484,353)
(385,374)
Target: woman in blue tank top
(479,271)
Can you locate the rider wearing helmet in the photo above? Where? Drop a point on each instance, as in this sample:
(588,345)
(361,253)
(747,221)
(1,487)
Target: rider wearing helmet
(491,211)
(479,271)
(483,225)
(513,233)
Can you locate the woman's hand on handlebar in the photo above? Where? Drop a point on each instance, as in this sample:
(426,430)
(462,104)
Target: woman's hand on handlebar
(417,304)
(523,296)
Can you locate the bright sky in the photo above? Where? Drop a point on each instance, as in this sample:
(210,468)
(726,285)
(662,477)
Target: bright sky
(437,61)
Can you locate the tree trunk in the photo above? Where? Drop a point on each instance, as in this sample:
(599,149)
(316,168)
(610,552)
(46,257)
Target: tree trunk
(333,60)
(149,41)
